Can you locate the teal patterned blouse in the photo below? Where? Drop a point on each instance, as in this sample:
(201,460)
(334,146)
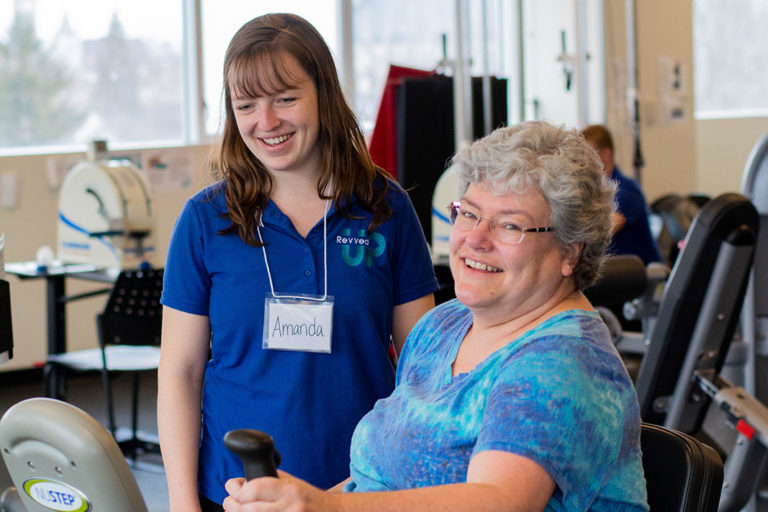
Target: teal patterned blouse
(558,395)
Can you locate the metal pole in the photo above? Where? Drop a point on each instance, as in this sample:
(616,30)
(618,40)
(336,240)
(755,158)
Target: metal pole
(521,97)
(487,110)
(347,50)
(462,79)
(194,103)
(632,101)
(580,63)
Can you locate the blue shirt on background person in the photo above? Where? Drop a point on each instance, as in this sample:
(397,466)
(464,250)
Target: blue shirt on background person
(634,237)
(631,227)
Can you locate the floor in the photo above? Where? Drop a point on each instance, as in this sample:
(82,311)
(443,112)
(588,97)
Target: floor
(85,391)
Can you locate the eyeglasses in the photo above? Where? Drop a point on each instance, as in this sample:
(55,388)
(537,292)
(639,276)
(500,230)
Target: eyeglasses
(511,230)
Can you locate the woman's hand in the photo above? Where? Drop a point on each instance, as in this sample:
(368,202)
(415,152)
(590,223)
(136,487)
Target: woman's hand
(286,493)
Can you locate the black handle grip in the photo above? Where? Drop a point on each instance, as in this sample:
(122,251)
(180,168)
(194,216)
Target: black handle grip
(256,449)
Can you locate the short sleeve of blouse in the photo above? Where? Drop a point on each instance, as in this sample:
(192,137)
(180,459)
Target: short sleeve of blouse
(186,284)
(551,404)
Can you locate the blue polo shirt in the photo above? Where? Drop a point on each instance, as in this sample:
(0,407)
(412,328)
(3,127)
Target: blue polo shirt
(309,402)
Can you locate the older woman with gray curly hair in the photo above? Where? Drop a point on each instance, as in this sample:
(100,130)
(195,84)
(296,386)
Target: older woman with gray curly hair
(565,170)
(512,396)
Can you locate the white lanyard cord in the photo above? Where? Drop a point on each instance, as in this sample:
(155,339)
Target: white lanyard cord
(325,261)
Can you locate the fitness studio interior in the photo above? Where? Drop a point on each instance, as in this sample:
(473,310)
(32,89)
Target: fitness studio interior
(120,120)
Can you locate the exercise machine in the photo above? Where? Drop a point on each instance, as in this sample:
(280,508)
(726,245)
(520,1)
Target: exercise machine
(696,339)
(681,377)
(60,458)
(106,213)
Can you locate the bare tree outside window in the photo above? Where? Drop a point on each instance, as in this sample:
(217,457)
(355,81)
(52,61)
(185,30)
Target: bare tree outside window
(36,106)
(111,71)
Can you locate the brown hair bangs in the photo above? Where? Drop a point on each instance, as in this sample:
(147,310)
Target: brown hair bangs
(262,73)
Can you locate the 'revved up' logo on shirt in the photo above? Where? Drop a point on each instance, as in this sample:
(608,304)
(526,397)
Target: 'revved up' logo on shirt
(361,246)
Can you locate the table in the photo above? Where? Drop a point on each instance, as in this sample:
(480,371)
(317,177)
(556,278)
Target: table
(56,299)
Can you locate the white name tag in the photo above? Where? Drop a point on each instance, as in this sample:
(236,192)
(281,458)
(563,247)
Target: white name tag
(298,323)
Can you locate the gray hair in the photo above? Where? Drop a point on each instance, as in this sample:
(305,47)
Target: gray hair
(558,163)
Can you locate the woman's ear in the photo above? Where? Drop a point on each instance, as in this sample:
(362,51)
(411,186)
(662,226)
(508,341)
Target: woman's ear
(571,258)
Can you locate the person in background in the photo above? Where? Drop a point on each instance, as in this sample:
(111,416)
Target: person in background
(631,228)
(288,279)
(511,396)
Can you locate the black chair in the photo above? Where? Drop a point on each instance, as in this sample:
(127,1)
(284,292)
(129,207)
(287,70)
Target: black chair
(624,279)
(445,282)
(129,341)
(675,213)
(682,474)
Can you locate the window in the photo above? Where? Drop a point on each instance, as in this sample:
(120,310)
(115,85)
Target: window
(400,32)
(72,72)
(109,71)
(729,58)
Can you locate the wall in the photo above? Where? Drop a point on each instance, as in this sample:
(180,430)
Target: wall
(682,156)
(722,150)
(32,224)
(663,35)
